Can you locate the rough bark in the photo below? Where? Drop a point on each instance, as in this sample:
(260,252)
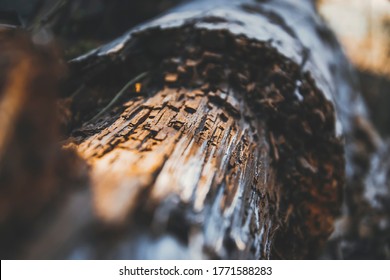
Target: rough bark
(231,139)
(228,147)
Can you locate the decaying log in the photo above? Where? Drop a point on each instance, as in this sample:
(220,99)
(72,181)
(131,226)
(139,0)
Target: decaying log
(214,131)
(233,137)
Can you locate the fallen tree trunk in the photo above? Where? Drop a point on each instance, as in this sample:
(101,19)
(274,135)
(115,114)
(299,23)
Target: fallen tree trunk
(213,131)
(231,138)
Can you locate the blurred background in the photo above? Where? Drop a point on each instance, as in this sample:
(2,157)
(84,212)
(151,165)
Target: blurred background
(363,28)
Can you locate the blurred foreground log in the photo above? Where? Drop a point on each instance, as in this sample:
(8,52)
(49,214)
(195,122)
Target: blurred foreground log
(35,175)
(211,132)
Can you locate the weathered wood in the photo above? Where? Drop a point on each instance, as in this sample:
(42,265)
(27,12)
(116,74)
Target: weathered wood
(231,138)
(229,147)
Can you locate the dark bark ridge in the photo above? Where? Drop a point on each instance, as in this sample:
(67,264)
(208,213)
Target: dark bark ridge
(254,82)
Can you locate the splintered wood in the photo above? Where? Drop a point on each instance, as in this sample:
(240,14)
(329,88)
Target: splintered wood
(229,146)
(179,143)
(242,158)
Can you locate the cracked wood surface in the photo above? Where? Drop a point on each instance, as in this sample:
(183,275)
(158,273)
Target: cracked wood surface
(178,145)
(230,147)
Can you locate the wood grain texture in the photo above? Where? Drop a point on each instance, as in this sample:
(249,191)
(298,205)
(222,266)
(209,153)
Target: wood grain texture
(224,123)
(233,145)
